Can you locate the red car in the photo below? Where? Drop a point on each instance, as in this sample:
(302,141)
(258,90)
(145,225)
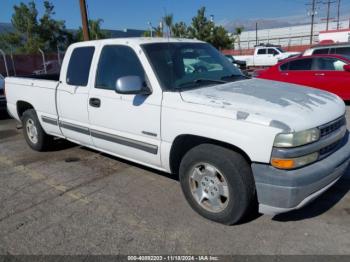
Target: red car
(326,72)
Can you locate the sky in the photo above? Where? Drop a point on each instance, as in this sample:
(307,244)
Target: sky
(120,14)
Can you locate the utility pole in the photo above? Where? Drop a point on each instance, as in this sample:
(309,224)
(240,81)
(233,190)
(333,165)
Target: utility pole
(312,13)
(338,15)
(256,33)
(84,20)
(328,3)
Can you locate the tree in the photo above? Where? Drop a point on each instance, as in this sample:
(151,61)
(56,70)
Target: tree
(94,29)
(168,20)
(180,30)
(52,32)
(203,29)
(238,32)
(157,32)
(31,33)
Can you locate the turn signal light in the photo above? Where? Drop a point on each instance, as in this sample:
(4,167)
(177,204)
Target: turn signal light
(290,163)
(283,163)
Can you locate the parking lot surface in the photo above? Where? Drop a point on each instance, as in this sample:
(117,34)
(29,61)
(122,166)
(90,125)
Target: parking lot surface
(73,200)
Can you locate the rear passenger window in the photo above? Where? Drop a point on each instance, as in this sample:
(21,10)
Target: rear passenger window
(321,51)
(343,50)
(262,52)
(79,66)
(330,64)
(117,61)
(302,64)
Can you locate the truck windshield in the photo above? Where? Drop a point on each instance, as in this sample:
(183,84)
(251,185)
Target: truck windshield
(280,49)
(190,65)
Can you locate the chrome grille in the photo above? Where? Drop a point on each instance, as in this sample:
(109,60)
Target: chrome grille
(332,126)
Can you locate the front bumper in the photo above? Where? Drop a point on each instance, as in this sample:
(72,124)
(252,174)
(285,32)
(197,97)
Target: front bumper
(281,191)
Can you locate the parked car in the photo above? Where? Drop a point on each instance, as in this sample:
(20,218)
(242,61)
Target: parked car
(2,93)
(265,55)
(154,101)
(326,72)
(238,63)
(340,49)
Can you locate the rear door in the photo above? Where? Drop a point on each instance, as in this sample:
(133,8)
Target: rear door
(332,77)
(73,93)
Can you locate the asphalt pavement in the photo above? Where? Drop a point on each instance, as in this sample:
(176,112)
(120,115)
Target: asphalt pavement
(74,200)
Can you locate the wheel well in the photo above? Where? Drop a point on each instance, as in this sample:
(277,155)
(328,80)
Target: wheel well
(23,106)
(183,143)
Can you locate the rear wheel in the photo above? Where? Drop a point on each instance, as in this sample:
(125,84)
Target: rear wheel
(34,134)
(217,182)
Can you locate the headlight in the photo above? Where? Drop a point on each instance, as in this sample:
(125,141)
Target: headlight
(294,162)
(297,138)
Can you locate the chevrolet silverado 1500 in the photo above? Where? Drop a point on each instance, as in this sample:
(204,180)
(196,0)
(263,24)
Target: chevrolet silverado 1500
(180,106)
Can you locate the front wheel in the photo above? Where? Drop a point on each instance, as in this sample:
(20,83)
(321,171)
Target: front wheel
(217,182)
(34,134)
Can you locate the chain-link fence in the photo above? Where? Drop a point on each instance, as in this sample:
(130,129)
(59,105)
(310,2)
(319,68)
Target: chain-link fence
(29,64)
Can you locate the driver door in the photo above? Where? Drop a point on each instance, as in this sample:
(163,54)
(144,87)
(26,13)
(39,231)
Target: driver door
(127,125)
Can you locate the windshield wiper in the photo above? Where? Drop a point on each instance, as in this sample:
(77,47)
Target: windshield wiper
(202,80)
(234,77)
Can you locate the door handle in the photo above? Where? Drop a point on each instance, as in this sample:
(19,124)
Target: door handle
(285,74)
(319,74)
(95,102)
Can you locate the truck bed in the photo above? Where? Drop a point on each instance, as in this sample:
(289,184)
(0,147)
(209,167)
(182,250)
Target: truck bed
(53,77)
(37,90)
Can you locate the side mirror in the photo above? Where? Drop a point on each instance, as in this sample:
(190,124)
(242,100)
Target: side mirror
(131,85)
(347,68)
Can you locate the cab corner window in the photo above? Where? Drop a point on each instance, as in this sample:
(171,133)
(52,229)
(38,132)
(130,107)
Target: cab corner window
(79,66)
(117,61)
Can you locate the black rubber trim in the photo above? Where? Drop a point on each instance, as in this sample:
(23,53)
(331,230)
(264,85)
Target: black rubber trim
(49,120)
(153,149)
(76,128)
(149,133)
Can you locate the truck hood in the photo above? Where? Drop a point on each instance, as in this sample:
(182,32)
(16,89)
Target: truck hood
(281,105)
(292,53)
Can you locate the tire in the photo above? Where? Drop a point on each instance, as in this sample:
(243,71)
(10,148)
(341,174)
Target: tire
(230,182)
(33,133)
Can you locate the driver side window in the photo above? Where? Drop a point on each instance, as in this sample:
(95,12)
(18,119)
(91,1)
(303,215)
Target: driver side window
(117,61)
(272,51)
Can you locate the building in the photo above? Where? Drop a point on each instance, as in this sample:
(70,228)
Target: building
(298,35)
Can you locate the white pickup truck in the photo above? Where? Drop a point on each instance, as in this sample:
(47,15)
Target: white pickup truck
(180,106)
(265,56)
(2,94)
